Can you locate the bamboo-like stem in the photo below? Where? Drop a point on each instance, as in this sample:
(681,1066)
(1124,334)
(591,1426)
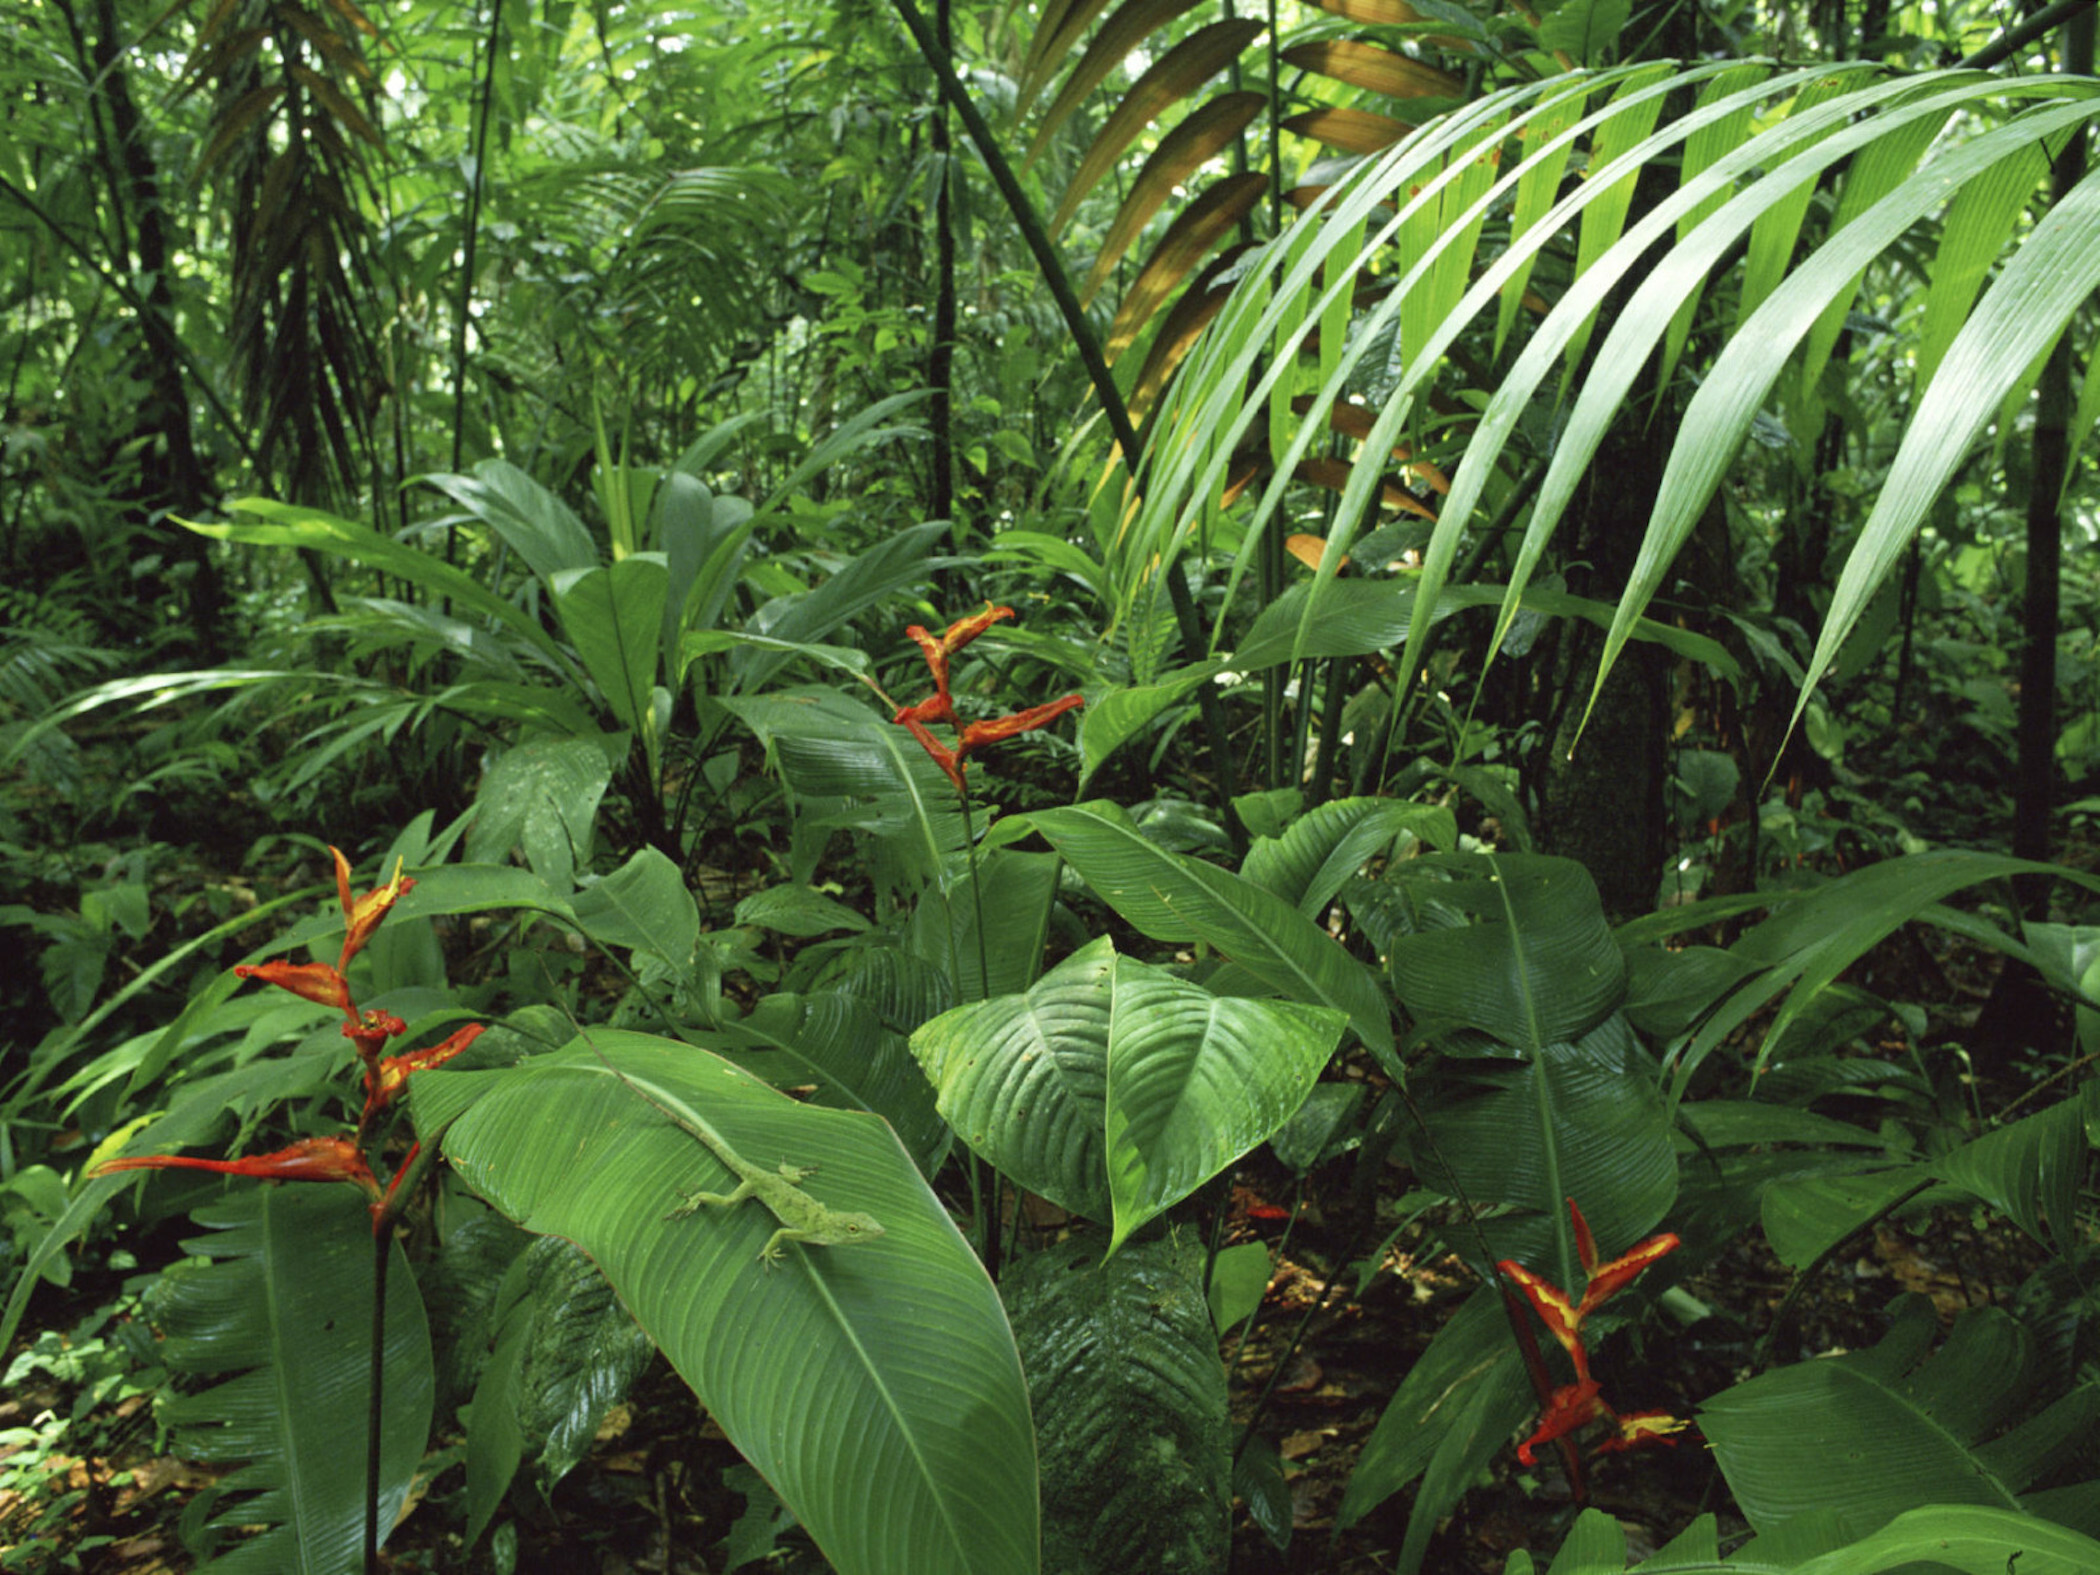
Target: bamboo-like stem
(1113,408)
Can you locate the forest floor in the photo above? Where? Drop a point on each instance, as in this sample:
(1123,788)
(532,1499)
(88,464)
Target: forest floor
(653,1496)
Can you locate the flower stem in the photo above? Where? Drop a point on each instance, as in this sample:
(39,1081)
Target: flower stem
(382,1255)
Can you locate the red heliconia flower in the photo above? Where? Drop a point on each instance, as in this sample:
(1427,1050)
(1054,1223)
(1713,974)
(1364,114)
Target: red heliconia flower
(361,915)
(311,1159)
(943,756)
(1572,1406)
(370,1033)
(1605,1280)
(940,706)
(1643,1427)
(393,1073)
(1563,1320)
(316,982)
(978,734)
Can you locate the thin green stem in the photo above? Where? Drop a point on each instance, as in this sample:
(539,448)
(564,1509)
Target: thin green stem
(382,1242)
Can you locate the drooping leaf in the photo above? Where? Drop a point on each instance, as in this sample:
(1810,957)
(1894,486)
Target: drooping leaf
(281,1317)
(1129,1402)
(882,1371)
(1171,897)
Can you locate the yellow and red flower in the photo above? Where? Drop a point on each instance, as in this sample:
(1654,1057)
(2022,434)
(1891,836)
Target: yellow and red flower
(1572,1406)
(940,705)
(310,1159)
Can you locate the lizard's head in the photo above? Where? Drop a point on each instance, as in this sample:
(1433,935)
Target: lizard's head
(854,1227)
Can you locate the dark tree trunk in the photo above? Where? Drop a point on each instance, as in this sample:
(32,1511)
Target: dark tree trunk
(172,478)
(1604,804)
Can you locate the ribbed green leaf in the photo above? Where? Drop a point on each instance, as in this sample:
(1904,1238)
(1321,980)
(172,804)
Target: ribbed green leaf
(1537,966)
(1170,897)
(1579,1121)
(1863,1437)
(642,906)
(1320,850)
(1024,1079)
(1973,1540)
(1129,1402)
(874,1385)
(614,617)
(541,796)
(1116,1089)
(895,563)
(284,1307)
(525,516)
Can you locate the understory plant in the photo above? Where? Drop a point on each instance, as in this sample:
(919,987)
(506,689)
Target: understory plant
(1108,1027)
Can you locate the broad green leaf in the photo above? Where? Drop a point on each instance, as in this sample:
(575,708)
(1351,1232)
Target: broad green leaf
(1197,1080)
(1866,1436)
(291,526)
(1023,1079)
(525,516)
(1318,852)
(542,796)
(995,948)
(833,747)
(1116,1089)
(1538,964)
(1581,1121)
(1170,897)
(281,1314)
(642,906)
(798,910)
(614,617)
(1239,1279)
(877,1373)
(1110,720)
(808,618)
(833,1048)
(1976,1541)
(1129,1402)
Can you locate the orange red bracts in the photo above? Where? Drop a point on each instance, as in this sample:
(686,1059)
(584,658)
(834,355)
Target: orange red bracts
(335,1158)
(1575,1405)
(310,1159)
(940,705)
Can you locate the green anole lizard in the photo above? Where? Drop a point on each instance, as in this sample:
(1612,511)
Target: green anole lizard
(802,1217)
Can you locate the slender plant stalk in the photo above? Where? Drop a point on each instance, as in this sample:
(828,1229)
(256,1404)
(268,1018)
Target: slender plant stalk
(1081,333)
(987,1211)
(382,1242)
(472,222)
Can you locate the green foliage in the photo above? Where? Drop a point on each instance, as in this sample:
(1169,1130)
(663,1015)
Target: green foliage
(1128,1397)
(262,1311)
(890,1376)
